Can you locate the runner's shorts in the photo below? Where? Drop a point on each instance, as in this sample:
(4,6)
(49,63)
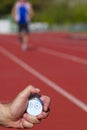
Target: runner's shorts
(23,27)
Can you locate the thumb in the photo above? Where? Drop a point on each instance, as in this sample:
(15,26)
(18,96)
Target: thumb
(23,96)
(29,90)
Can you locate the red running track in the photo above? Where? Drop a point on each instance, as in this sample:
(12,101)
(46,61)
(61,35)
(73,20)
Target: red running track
(57,64)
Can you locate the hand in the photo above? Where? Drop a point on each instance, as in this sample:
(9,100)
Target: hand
(46,103)
(14,112)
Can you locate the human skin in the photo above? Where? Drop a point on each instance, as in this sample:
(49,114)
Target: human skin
(13,114)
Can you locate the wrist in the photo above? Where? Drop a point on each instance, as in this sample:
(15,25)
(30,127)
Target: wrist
(4,115)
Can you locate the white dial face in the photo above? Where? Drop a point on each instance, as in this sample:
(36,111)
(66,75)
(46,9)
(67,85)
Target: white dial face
(34,107)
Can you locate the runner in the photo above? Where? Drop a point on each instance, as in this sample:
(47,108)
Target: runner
(22,13)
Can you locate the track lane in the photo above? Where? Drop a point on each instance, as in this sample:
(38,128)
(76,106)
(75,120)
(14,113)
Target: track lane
(64,115)
(67,116)
(64,71)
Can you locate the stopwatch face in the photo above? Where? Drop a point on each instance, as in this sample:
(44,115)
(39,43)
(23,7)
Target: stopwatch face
(34,107)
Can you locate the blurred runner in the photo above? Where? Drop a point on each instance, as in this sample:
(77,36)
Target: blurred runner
(22,13)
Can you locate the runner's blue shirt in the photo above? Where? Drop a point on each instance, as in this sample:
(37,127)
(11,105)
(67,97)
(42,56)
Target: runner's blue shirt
(22,12)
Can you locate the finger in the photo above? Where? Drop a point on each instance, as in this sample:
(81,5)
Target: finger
(43,115)
(32,119)
(29,90)
(46,101)
(27,124)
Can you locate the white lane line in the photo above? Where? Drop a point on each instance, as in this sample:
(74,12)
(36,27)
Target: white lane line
(43,78)
(74,48)
(63,55)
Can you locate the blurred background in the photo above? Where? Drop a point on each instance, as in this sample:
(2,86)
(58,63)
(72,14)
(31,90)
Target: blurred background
(54,15)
